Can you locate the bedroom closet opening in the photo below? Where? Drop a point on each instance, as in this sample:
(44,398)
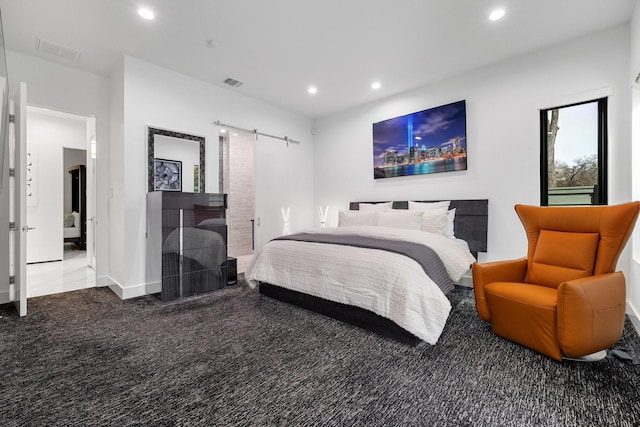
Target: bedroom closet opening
(60,201)
(237,181)
(75,200)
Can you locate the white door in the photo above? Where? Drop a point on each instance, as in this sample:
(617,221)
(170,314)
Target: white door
(19,201)
(90,192)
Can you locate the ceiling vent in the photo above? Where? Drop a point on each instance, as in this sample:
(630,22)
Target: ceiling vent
(233,82)
(55,49)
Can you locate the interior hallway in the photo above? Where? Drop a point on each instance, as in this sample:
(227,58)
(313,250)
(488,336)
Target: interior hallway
(70,274)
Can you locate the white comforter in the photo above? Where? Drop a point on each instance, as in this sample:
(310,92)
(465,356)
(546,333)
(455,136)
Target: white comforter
(389,284)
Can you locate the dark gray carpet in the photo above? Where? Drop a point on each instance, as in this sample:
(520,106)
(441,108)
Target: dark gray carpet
(86,358)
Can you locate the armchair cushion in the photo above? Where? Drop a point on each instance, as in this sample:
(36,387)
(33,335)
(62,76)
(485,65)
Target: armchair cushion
(561,256)
(527,315)
(613,223)
(591,313)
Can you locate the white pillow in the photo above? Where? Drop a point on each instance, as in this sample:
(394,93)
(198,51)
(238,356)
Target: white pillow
(375,206)
(68,220)
(410,220)
(451,216)
(356,218)
(423,206)
(76,219)
(434,221)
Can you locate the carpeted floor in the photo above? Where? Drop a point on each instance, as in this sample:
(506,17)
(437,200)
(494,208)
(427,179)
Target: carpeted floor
(86,358)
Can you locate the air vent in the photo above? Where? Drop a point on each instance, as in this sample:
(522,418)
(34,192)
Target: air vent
(233,82)
(55,49)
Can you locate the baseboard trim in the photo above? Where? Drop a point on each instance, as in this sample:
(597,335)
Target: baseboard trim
(126,292)
(103,281)
(634,316)
(4,297)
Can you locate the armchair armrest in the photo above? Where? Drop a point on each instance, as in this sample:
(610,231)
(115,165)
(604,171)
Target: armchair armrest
(591,313)
(498,271)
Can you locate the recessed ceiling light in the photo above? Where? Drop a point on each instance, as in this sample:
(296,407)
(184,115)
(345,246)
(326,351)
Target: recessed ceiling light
(496,14)
(223,131)
(376,85)
(312,90)
(146,13)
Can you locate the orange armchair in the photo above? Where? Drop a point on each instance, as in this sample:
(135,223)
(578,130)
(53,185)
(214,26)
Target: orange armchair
(564,299)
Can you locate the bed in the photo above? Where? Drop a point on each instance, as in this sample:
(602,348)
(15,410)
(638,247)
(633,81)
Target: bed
(393,291)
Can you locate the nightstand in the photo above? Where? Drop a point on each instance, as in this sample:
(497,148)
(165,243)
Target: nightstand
(232,271)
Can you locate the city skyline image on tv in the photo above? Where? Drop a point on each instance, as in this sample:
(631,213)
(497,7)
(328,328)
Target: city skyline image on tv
(428,141)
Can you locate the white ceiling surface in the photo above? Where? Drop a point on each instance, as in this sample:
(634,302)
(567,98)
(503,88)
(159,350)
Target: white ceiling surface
(278,48)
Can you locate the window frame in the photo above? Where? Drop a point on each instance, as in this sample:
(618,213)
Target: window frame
(602,187)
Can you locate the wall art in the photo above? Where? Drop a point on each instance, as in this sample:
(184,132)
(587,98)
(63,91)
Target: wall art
(428,141)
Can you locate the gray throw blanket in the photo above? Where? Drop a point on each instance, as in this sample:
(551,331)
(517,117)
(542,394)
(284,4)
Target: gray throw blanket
(423,255)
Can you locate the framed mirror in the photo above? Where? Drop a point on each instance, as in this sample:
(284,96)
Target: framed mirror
(176,161)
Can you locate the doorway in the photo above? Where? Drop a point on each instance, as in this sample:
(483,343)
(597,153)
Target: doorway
(60,202)
(238,183)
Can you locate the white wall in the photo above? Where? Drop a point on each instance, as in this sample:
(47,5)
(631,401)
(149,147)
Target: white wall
(154,96)
(502,135)
(634,278)
(47,135)
(66,89)
(114,191)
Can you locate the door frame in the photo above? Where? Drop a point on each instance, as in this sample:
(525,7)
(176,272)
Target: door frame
(18,199)
(88,145)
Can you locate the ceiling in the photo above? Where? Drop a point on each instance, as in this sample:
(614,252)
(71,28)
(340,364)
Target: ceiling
(278,48)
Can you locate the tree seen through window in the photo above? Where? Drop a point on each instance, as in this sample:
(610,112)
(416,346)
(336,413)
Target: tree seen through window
(573,152)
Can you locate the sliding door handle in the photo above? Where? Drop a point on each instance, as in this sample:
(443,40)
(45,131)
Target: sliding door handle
(253,235)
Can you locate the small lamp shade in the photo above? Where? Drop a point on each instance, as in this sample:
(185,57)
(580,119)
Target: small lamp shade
(286,229)
(323,212)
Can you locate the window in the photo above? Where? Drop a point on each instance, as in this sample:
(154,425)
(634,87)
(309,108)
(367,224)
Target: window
(573,154)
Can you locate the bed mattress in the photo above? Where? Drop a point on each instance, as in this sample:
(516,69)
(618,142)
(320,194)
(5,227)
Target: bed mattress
(388,284)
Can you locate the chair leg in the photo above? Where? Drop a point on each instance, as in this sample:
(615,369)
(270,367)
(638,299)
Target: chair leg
(593,357)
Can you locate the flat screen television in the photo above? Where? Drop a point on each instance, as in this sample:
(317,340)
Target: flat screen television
(428,141)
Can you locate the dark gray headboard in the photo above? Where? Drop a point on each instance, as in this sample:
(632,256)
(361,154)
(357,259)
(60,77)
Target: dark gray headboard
(471,221)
